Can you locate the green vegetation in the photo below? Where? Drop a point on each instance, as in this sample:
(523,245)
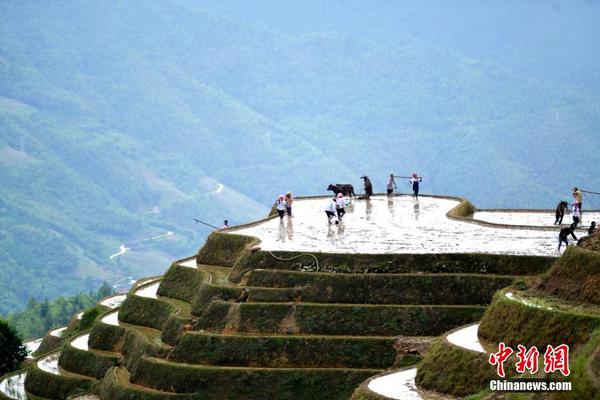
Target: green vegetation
(47,385)
(38,318)
(224,249)
(145,311)
(284,351)
(89,363)
(383,288)
(575,276)
(453,370)
(12,351)
(254,383)
(358,319)
(117,124)
(394,263)
(512,322)
(182,282)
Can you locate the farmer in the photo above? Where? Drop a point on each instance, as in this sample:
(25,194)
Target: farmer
(281,206)
(288,203)
(368,187)
(576,213)
(578,196)
(592,228)
(225,224)
(415,180)
(560,212)
(564,233)
(391,185)
(330,210)
(340,205)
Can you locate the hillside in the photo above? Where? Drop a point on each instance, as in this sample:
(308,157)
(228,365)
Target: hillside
(119,122)
(247,318)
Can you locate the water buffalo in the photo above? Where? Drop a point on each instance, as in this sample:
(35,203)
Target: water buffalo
(345,188)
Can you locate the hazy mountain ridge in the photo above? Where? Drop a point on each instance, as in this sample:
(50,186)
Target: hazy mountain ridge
(130,114)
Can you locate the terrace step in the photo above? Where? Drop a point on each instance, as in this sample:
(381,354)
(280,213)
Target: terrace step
(459,354)
(108,334)
(397,385)
(335,319)
(306,351)
(77,357)
(535,318)
(46,379)
(409,288)
(116,385)
(211,382)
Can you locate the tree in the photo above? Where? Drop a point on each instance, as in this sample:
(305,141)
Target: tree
(12,350)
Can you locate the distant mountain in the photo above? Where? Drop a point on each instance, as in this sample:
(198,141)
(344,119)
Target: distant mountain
(120,122)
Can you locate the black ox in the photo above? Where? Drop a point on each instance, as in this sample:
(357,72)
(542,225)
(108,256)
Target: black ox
(345,188)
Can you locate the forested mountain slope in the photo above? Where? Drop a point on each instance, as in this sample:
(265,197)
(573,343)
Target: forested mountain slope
(119,122)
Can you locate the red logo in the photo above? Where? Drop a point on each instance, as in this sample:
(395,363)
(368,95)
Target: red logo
(527,360)
(498,358)
(555,359)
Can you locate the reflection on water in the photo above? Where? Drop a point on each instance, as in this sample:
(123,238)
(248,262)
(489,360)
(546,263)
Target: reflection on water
(114,301)
(50,364)
(81,342)
(400,385)
(285,230)
(14,387)
(290,229)
(416,208)
(149,291)
(396,225)
(112,318)
(467,338)
(368,209)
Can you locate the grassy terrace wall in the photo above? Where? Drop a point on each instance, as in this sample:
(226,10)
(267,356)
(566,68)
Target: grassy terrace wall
(224,249)
(285,351)
(513,323)
(88,363)
(384,288)
(208,292)
(145,311)
(181,282)
(575,276)
(217,383)
(453,370)
(44,384)
(105,337)
(394,263)
(115,386)
(356,320)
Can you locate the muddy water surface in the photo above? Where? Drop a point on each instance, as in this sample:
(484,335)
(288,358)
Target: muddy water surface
(396,225)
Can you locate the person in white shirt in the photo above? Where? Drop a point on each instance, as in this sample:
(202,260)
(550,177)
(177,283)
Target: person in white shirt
(576,214)
(340,206)
(391,185)
(281,206)
(414,181)
(330,210)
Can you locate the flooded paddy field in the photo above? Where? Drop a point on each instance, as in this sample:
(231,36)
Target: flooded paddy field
(395,225)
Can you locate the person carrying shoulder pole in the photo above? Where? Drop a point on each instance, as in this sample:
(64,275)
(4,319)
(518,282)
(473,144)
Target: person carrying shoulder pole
(576,213)
(415,180)
(578,196)
(391,185)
